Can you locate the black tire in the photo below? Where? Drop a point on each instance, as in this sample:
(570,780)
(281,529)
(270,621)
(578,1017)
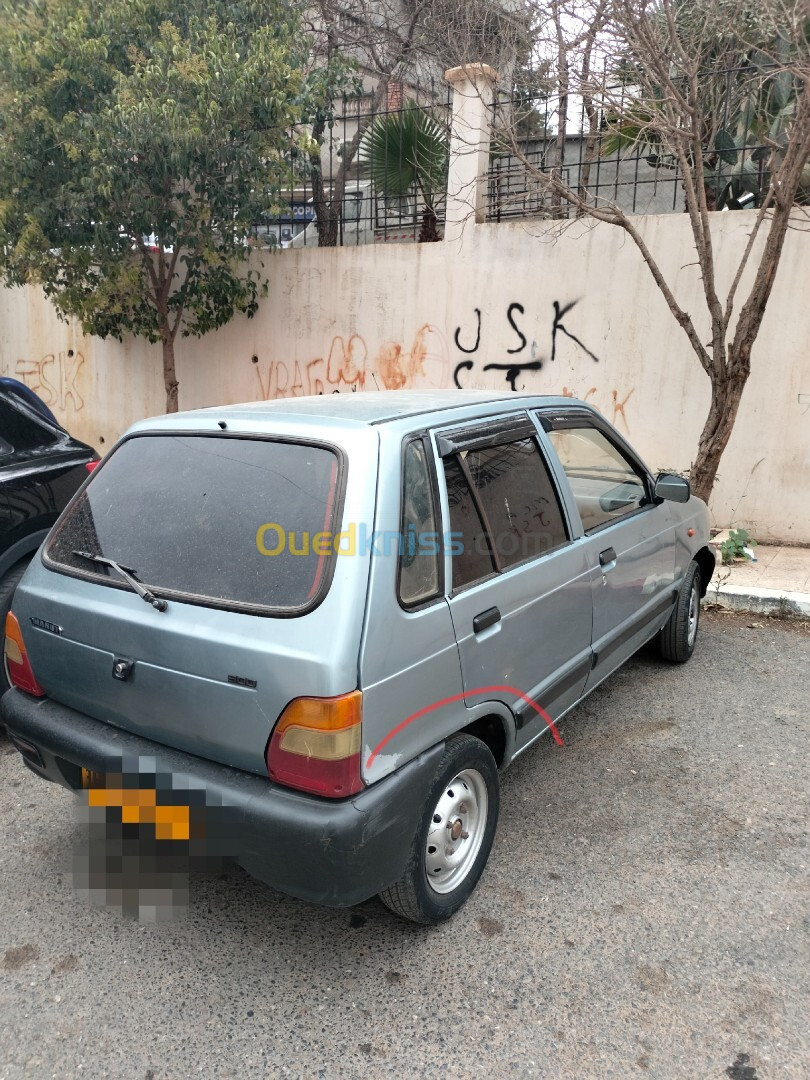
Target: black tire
(7,586)
(462,806)
(676,641)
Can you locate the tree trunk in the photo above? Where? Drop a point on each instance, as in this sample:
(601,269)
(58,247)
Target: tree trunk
(328,208)
(169,373)
(726,396)
(327,215)
(728,386)
(429,232)
(557,209)
(592,136)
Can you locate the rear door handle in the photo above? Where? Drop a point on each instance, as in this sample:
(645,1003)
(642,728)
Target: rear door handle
(607,558)
(485,619)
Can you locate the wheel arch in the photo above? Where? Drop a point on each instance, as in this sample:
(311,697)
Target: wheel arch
(706,560)
(495,727)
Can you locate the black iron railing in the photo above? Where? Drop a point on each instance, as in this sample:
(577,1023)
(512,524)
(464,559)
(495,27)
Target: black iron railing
(607,150)
(373,209)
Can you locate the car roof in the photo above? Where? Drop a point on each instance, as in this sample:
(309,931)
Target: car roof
(362,408)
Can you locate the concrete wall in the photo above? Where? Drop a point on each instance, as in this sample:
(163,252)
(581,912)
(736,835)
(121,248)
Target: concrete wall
(577,315)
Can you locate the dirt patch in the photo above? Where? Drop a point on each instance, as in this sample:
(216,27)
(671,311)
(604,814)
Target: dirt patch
(67,963)
(489,927)
(14,959)
(741,1070)
(651,978)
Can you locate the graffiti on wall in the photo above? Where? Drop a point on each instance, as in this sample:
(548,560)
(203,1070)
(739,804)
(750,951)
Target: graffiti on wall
(527,359)
(468,340)
(349,364)
(54,377)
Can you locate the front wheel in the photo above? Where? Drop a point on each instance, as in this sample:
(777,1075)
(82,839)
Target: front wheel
(454,838)
(676,642)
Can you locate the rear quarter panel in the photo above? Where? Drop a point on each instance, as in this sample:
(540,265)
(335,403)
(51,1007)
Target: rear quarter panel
(408,659)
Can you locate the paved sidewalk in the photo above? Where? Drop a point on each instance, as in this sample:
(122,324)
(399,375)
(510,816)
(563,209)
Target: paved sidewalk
(778,583)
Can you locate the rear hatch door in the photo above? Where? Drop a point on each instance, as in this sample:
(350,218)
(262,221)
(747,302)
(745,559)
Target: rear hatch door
(220,530)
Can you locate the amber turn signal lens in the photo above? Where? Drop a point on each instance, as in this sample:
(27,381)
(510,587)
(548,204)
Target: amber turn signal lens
(323,714)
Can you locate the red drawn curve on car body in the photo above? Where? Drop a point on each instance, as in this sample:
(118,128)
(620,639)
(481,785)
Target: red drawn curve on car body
(459,697)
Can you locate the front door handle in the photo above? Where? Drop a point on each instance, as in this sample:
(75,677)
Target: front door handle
(486,619)
(607,558)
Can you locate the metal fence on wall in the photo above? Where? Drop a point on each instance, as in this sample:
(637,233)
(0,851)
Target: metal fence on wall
(527,149)
(370,211)
(641,178)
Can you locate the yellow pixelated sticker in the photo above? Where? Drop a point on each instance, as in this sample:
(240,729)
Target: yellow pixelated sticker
(140,807)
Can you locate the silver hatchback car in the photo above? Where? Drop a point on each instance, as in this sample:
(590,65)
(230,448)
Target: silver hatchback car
(308,634)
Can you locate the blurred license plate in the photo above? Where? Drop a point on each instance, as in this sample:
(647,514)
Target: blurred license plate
(138,806)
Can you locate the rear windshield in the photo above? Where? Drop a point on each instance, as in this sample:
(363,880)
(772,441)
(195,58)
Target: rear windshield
(220,520)
(19,431)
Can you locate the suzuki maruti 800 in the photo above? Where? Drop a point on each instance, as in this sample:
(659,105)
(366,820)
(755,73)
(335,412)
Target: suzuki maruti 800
(335,620)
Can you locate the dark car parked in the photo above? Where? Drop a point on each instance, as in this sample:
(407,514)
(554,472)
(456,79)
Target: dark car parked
(41,467)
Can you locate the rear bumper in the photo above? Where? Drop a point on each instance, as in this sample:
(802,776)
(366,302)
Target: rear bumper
(335,853)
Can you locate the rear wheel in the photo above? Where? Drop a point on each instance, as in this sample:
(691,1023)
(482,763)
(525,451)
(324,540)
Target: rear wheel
(7,586)
(676,642)
(454,838)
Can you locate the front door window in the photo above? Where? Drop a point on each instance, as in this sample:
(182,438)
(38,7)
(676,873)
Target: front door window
(605,484)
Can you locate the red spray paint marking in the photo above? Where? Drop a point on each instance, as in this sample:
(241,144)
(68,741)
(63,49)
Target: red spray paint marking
(459,697)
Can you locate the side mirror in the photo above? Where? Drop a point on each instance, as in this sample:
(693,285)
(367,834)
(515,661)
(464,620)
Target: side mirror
(673,488)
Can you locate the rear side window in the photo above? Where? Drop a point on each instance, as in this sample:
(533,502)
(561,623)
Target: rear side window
(20,432)
(232,522)
(504,508)
(518,500)
(472,556)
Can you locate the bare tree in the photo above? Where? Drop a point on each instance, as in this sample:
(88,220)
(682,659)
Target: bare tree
(720,92)
(393,44)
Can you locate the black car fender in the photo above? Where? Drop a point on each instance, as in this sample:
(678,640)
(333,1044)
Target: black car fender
(20,549)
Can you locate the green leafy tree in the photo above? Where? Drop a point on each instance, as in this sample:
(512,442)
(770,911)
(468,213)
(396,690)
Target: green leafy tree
(405,152)
(139,139)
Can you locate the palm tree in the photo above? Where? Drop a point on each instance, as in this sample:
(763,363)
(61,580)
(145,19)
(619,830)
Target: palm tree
(406,151)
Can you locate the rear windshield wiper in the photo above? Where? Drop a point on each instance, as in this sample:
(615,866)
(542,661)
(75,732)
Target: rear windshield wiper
(126,573)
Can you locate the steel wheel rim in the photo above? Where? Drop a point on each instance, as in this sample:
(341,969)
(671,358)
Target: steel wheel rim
(694,609)
(456,832)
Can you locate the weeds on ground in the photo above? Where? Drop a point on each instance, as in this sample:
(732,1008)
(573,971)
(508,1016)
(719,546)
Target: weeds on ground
(738,546)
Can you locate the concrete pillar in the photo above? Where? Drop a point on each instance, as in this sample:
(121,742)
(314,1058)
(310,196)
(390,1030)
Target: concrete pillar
(473,88)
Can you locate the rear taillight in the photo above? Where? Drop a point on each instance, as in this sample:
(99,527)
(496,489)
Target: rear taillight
(90,465)
(20,673)
(316,745)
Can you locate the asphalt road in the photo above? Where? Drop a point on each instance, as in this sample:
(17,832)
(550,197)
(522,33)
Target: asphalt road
(643,914)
